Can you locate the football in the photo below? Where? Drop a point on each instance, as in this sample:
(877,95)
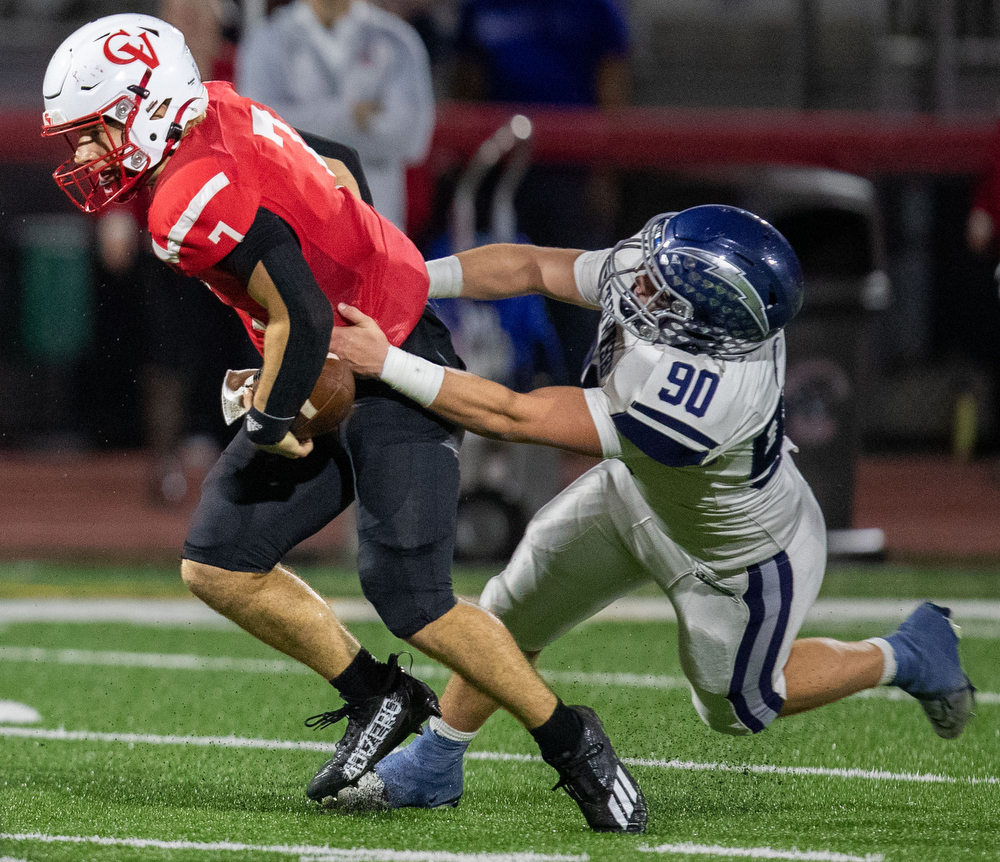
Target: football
(330,402)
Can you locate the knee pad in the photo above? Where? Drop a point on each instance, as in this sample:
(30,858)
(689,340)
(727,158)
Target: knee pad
(408,590)
(407,501)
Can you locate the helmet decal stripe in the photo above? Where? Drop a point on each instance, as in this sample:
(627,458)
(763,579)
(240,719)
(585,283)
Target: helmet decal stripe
(736,278)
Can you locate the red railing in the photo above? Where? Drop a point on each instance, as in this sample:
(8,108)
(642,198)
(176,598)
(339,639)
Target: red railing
(860,142)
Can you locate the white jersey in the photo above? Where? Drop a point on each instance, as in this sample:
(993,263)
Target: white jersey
(702,437)
(697,494)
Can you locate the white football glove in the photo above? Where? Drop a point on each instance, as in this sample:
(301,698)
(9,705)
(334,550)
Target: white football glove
(234,386)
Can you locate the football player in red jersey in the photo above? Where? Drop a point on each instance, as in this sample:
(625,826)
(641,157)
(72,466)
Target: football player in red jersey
(282,234)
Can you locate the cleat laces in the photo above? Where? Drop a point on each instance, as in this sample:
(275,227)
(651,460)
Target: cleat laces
(571,772)
(326,719)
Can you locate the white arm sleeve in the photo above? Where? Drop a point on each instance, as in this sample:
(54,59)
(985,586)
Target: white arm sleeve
(600,412)
(587,272)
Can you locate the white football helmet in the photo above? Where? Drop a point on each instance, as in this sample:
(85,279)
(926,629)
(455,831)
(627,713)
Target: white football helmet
(134,71)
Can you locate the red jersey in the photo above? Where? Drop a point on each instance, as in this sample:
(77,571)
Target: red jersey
(243,156)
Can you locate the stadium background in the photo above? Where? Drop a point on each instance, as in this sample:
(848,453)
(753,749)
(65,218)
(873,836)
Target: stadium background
(753,100)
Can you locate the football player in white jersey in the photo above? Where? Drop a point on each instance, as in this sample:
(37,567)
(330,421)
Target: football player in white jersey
(697,491)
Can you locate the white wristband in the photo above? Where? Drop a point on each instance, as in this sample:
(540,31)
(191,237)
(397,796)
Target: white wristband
(413,376)
(446,277)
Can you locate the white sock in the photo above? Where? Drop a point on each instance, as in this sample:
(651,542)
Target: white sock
(445,730)
(889,671)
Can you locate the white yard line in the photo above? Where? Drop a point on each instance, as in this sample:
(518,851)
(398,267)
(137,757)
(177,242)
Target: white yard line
(170,613)
(188,661)
(811,771)
(760,853)
(314,853)
(61,735)
(190,612)
(158,661)
(307,852)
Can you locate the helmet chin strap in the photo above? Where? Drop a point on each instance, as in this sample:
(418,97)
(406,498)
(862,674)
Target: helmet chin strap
(176,130)
(141,93)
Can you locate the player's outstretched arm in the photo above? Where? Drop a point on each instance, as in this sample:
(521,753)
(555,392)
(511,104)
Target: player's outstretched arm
(506,269)
(554,416)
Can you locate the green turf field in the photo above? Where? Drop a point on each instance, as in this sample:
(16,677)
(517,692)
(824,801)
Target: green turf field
(26,578)
(186,742)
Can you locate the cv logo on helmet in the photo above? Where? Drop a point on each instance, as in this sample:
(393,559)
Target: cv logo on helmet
(124,52)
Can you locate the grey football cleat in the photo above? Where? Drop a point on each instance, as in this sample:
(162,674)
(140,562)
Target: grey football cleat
(427,773)
(928,667)
(950,711)
(368,794)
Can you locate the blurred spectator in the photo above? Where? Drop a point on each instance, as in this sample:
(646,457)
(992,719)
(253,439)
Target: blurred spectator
(555,52)
(568,53)
(983,239)
(347,70)
(429,19)
(119,316)
(191,340)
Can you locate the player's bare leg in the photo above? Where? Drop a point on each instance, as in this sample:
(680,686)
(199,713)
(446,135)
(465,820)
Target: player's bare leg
(383,705)
(823,670)
(475,644)
(280,609)
(921,657)
(467,709)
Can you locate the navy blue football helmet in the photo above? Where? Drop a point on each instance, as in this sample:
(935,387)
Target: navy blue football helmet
(711,279)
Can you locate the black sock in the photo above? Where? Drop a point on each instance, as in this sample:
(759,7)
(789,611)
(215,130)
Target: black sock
(364,677)
(560,734)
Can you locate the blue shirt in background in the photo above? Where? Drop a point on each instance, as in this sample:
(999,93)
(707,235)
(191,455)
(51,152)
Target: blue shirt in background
(542,51)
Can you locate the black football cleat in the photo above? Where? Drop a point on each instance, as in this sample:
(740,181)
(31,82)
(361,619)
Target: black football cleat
(598,781)
(375,726)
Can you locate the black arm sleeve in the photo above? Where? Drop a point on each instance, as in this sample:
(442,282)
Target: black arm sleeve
(348,155)
(272,242)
